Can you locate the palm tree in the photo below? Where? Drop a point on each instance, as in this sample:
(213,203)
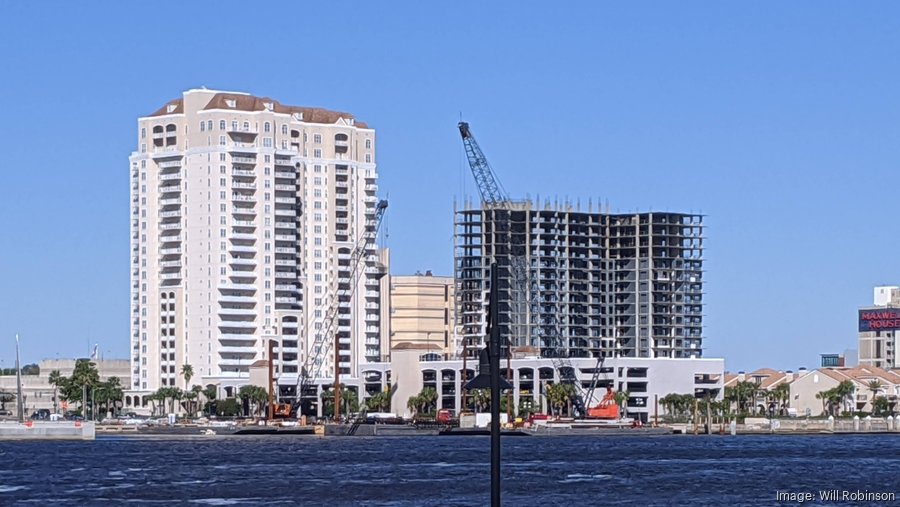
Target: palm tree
(56,379)
(189,396)
(187,371)
(481,398)
(85,377)
(379,402)
(197,391)
(823,395)
(874,386)
(210,394)
(745,392)
(349,401)
(112,393)
(428,396)
(413,404)
(782,394)
(622,400)
(557,397)
(843,391)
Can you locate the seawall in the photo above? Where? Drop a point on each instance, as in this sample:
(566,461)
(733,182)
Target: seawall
(47,430)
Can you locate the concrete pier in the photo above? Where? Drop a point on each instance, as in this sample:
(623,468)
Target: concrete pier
(47,430)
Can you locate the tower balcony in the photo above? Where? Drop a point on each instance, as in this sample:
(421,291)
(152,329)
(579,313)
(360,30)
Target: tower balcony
(237,324)
(169,164)
(245,312)
(236,159)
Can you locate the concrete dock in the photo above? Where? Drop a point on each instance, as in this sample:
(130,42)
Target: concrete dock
(47,430)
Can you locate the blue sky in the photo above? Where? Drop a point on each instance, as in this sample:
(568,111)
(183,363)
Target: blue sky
(779,121)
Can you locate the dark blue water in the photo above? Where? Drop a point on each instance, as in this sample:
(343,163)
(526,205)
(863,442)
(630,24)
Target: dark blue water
(443,471)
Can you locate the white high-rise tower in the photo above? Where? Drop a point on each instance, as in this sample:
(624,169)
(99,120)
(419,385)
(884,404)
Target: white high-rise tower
(243,214)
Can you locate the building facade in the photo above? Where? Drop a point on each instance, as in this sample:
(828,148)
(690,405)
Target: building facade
(423,311)
(244,215)
(38,393)
(646,380)
(599,284)
(877,344)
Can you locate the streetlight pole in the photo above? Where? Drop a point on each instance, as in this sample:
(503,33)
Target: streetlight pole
(20,405)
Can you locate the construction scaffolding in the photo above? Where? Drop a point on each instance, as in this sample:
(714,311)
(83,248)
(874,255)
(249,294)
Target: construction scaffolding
(600,284)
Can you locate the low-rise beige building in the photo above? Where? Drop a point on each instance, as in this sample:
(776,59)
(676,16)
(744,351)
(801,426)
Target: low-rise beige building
(805,388)
(37,391)
(422,312)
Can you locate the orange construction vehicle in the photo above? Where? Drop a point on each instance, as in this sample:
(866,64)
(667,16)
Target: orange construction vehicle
(283,410)
(606,409)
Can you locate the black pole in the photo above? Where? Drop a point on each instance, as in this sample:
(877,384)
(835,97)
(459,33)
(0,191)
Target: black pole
(494,349)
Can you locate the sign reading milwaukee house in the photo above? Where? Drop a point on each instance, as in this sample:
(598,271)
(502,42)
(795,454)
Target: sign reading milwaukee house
(879,319)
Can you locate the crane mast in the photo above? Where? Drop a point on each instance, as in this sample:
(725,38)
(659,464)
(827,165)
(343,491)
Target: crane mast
(498,204)
(524,282)
(327,337)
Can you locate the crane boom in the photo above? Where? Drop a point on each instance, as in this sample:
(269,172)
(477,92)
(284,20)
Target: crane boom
(524,286)
(497,202)
(492,192)
(327,337)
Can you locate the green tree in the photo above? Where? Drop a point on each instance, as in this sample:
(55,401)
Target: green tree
(379,402)
(782,395)
(844,391)
(187,371)
(56,380)
(874,386)
(881,406)
(559,396)
(228,408)
(622,400)
(349,402)
(209,392)
(85,378)
(255,396)
(413,403)
(196,391)
(6,398)
(189,397)
(428,396)
(481,398)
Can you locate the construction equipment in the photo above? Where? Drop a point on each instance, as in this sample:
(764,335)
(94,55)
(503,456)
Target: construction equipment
(496,201)
(326,338)
(607,408)
(525,286)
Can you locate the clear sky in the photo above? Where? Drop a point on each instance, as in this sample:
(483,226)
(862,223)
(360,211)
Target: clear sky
(778,120)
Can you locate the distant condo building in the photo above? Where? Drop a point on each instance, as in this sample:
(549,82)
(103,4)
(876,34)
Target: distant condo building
(423,312)
(878,328)
(244,213)
(599,284)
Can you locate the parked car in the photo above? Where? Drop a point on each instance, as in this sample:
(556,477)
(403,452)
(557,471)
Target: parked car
(41,414)
(72,415)
(5,413)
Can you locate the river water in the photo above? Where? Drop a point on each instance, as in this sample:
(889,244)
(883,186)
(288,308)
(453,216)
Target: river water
(444,471)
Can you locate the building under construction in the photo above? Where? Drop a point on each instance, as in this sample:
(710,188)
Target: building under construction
(598,284)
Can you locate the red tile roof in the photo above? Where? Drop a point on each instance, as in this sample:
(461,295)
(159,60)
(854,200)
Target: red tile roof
(244,102)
